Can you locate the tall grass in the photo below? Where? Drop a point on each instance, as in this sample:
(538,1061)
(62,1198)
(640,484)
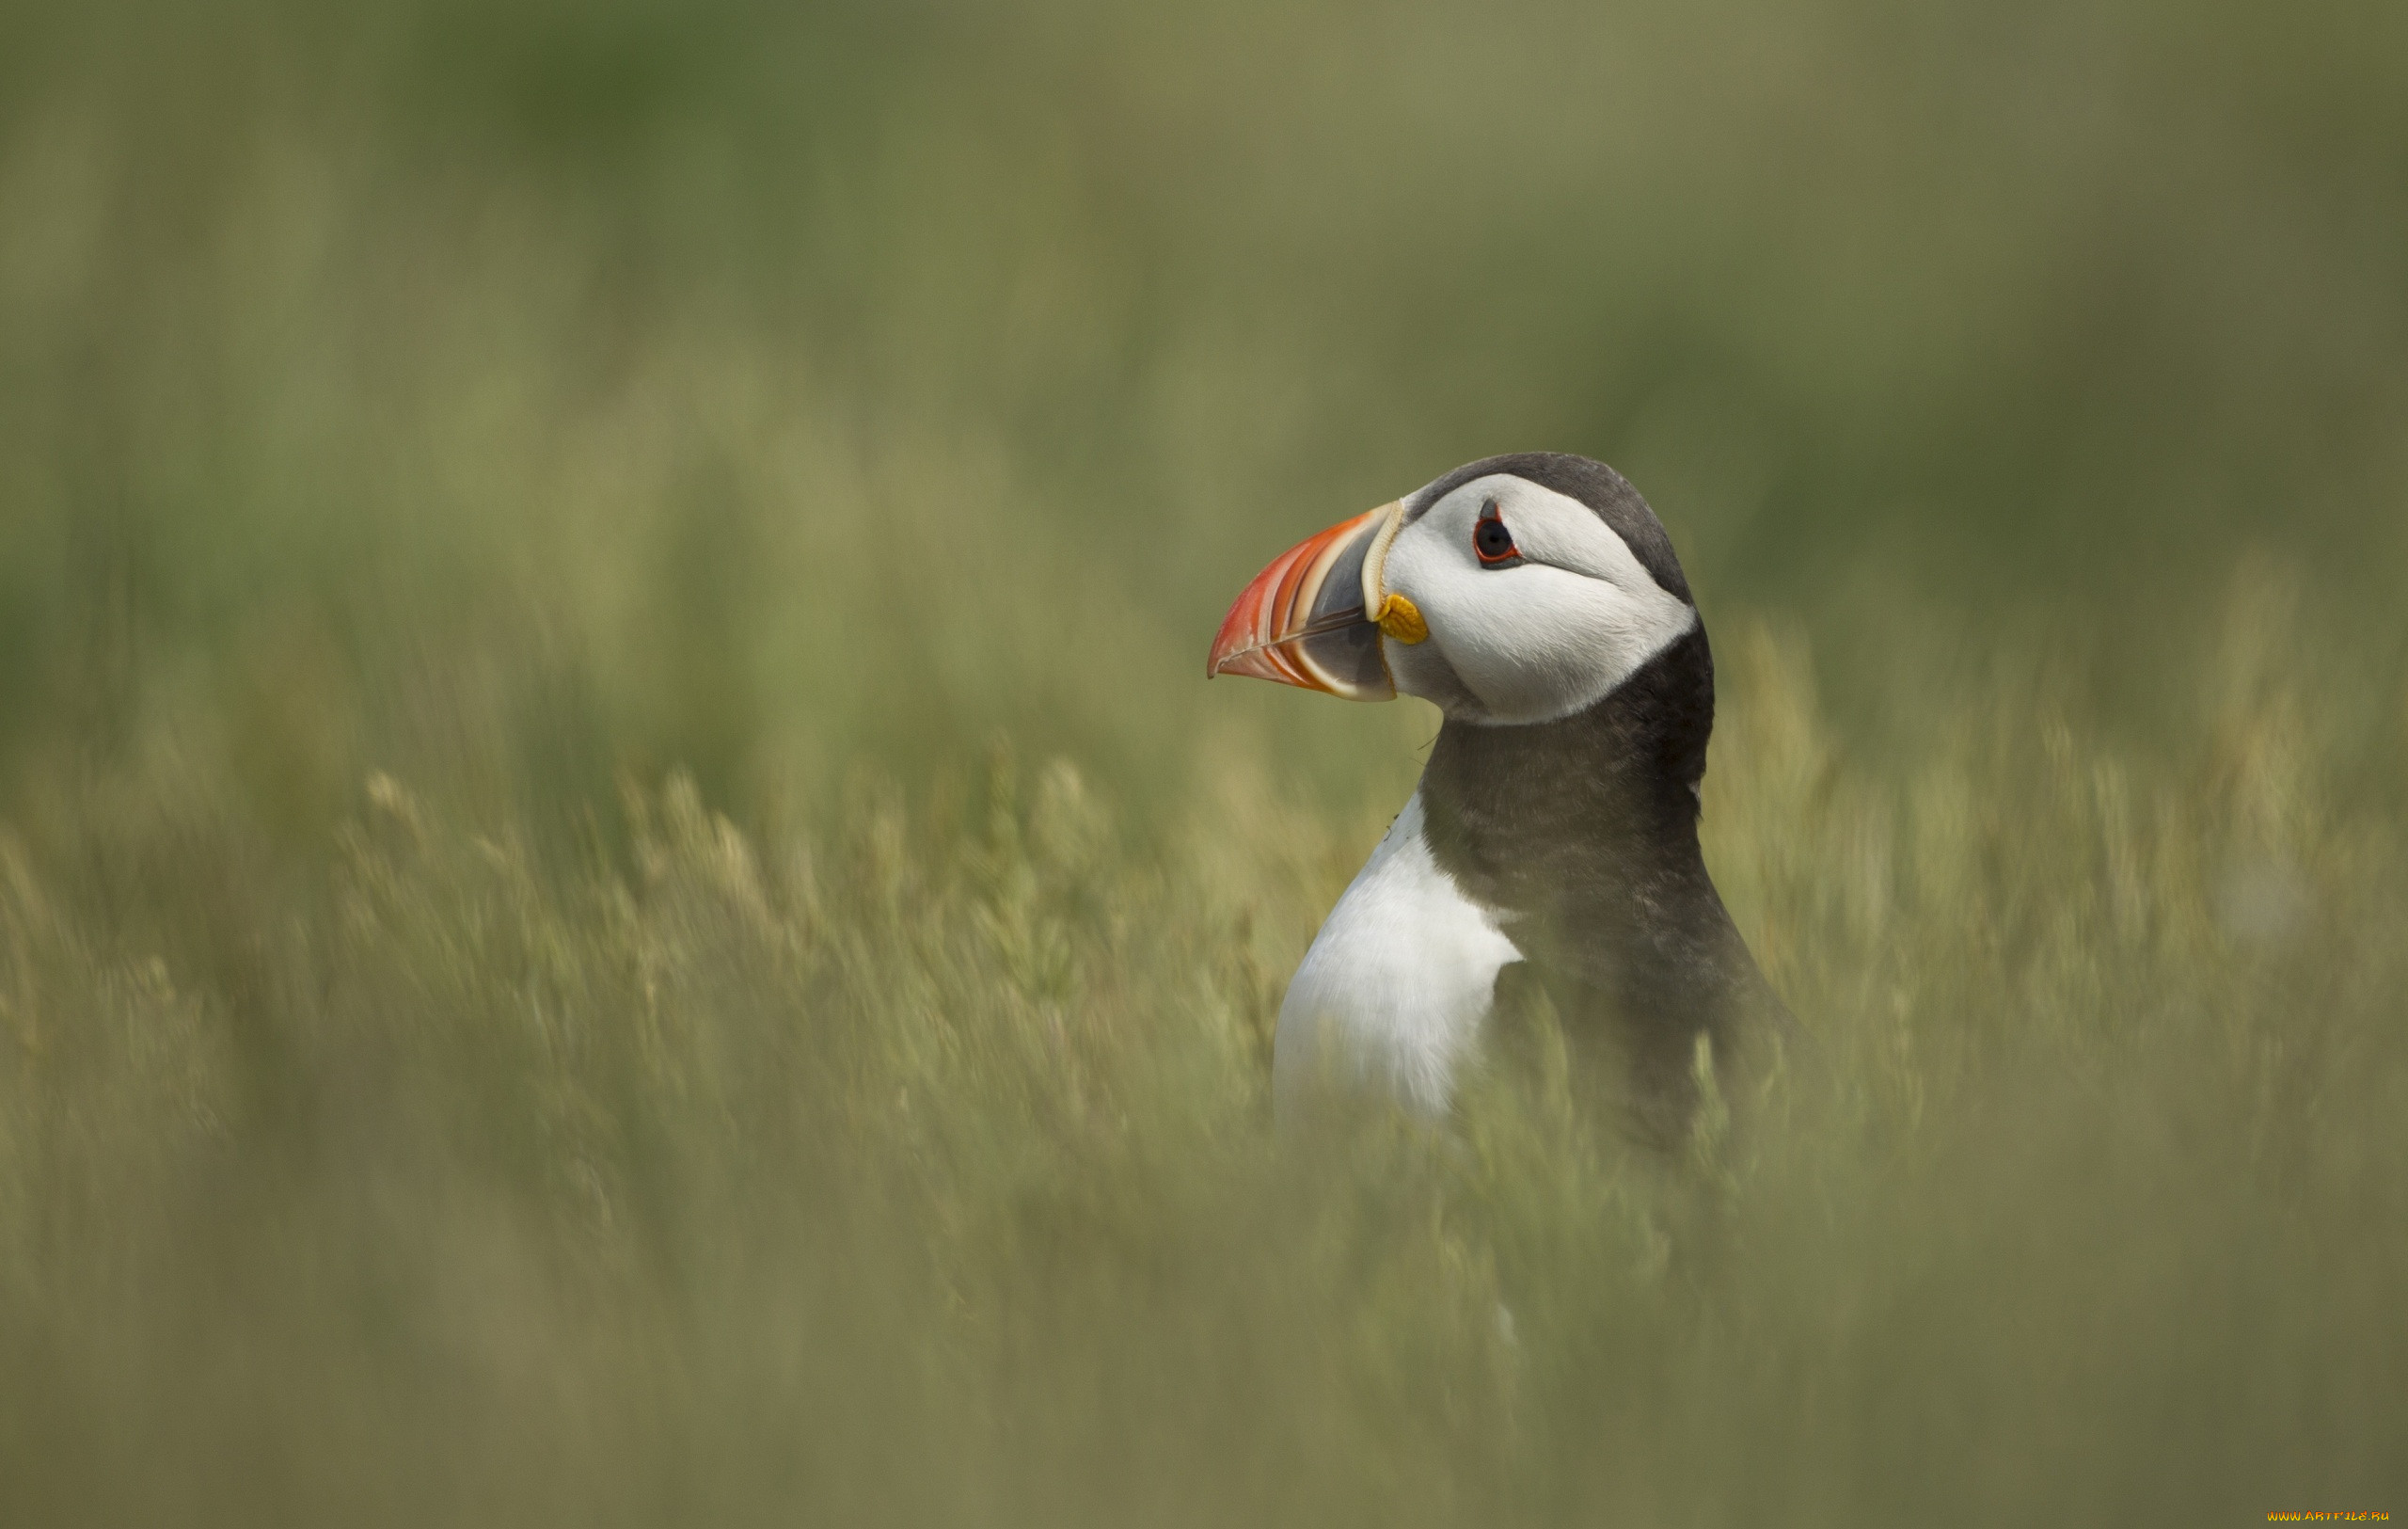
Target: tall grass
(917,1167)
(619,903)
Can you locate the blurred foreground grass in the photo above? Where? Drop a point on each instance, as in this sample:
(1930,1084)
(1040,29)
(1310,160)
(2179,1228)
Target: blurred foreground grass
(619,901)
(918,1170)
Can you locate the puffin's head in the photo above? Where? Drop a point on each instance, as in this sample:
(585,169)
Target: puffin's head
(1517,589)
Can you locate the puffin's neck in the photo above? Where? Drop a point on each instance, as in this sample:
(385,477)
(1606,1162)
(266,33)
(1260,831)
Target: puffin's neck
(1588,822)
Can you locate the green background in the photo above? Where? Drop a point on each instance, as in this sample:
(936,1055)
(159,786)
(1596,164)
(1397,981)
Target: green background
(843,381)
(624,900)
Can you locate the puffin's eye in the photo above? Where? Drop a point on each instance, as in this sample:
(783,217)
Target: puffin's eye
(1492,541)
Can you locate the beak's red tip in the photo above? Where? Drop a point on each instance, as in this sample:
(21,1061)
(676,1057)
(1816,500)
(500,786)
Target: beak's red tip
(1263,636)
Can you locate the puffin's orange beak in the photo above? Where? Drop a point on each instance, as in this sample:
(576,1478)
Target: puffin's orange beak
(1316,616)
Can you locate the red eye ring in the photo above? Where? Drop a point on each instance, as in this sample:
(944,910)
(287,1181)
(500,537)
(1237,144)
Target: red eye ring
(1491,542)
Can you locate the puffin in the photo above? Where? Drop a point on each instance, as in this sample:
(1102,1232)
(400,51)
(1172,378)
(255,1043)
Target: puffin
(1551,845)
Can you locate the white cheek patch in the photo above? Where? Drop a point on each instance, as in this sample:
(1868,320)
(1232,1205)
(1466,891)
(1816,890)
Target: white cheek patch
(1558,643)
(1542,639)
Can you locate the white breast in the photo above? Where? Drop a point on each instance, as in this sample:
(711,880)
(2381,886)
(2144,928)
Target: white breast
(1394,990)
